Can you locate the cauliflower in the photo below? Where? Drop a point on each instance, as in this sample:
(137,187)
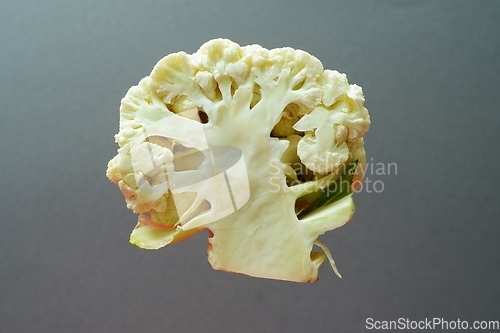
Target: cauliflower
(261,147)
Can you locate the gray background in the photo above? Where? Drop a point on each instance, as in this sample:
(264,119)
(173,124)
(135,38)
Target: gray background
(426,246)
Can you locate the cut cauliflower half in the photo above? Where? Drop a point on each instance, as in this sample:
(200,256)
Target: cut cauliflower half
(261,147)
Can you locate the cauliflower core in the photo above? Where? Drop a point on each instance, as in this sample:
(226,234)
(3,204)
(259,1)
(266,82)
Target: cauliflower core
(245,142)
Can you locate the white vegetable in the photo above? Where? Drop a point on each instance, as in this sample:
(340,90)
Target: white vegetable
(241,141)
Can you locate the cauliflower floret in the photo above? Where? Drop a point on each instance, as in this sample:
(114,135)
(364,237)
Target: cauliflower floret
(241,141)
(329,127)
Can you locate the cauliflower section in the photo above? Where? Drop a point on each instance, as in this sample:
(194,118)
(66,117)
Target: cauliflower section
(217,139)
(330,127)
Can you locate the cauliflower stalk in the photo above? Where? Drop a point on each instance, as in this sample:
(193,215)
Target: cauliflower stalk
(261,147)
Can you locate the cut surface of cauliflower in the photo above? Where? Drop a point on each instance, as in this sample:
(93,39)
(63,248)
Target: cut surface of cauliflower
(244,142)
